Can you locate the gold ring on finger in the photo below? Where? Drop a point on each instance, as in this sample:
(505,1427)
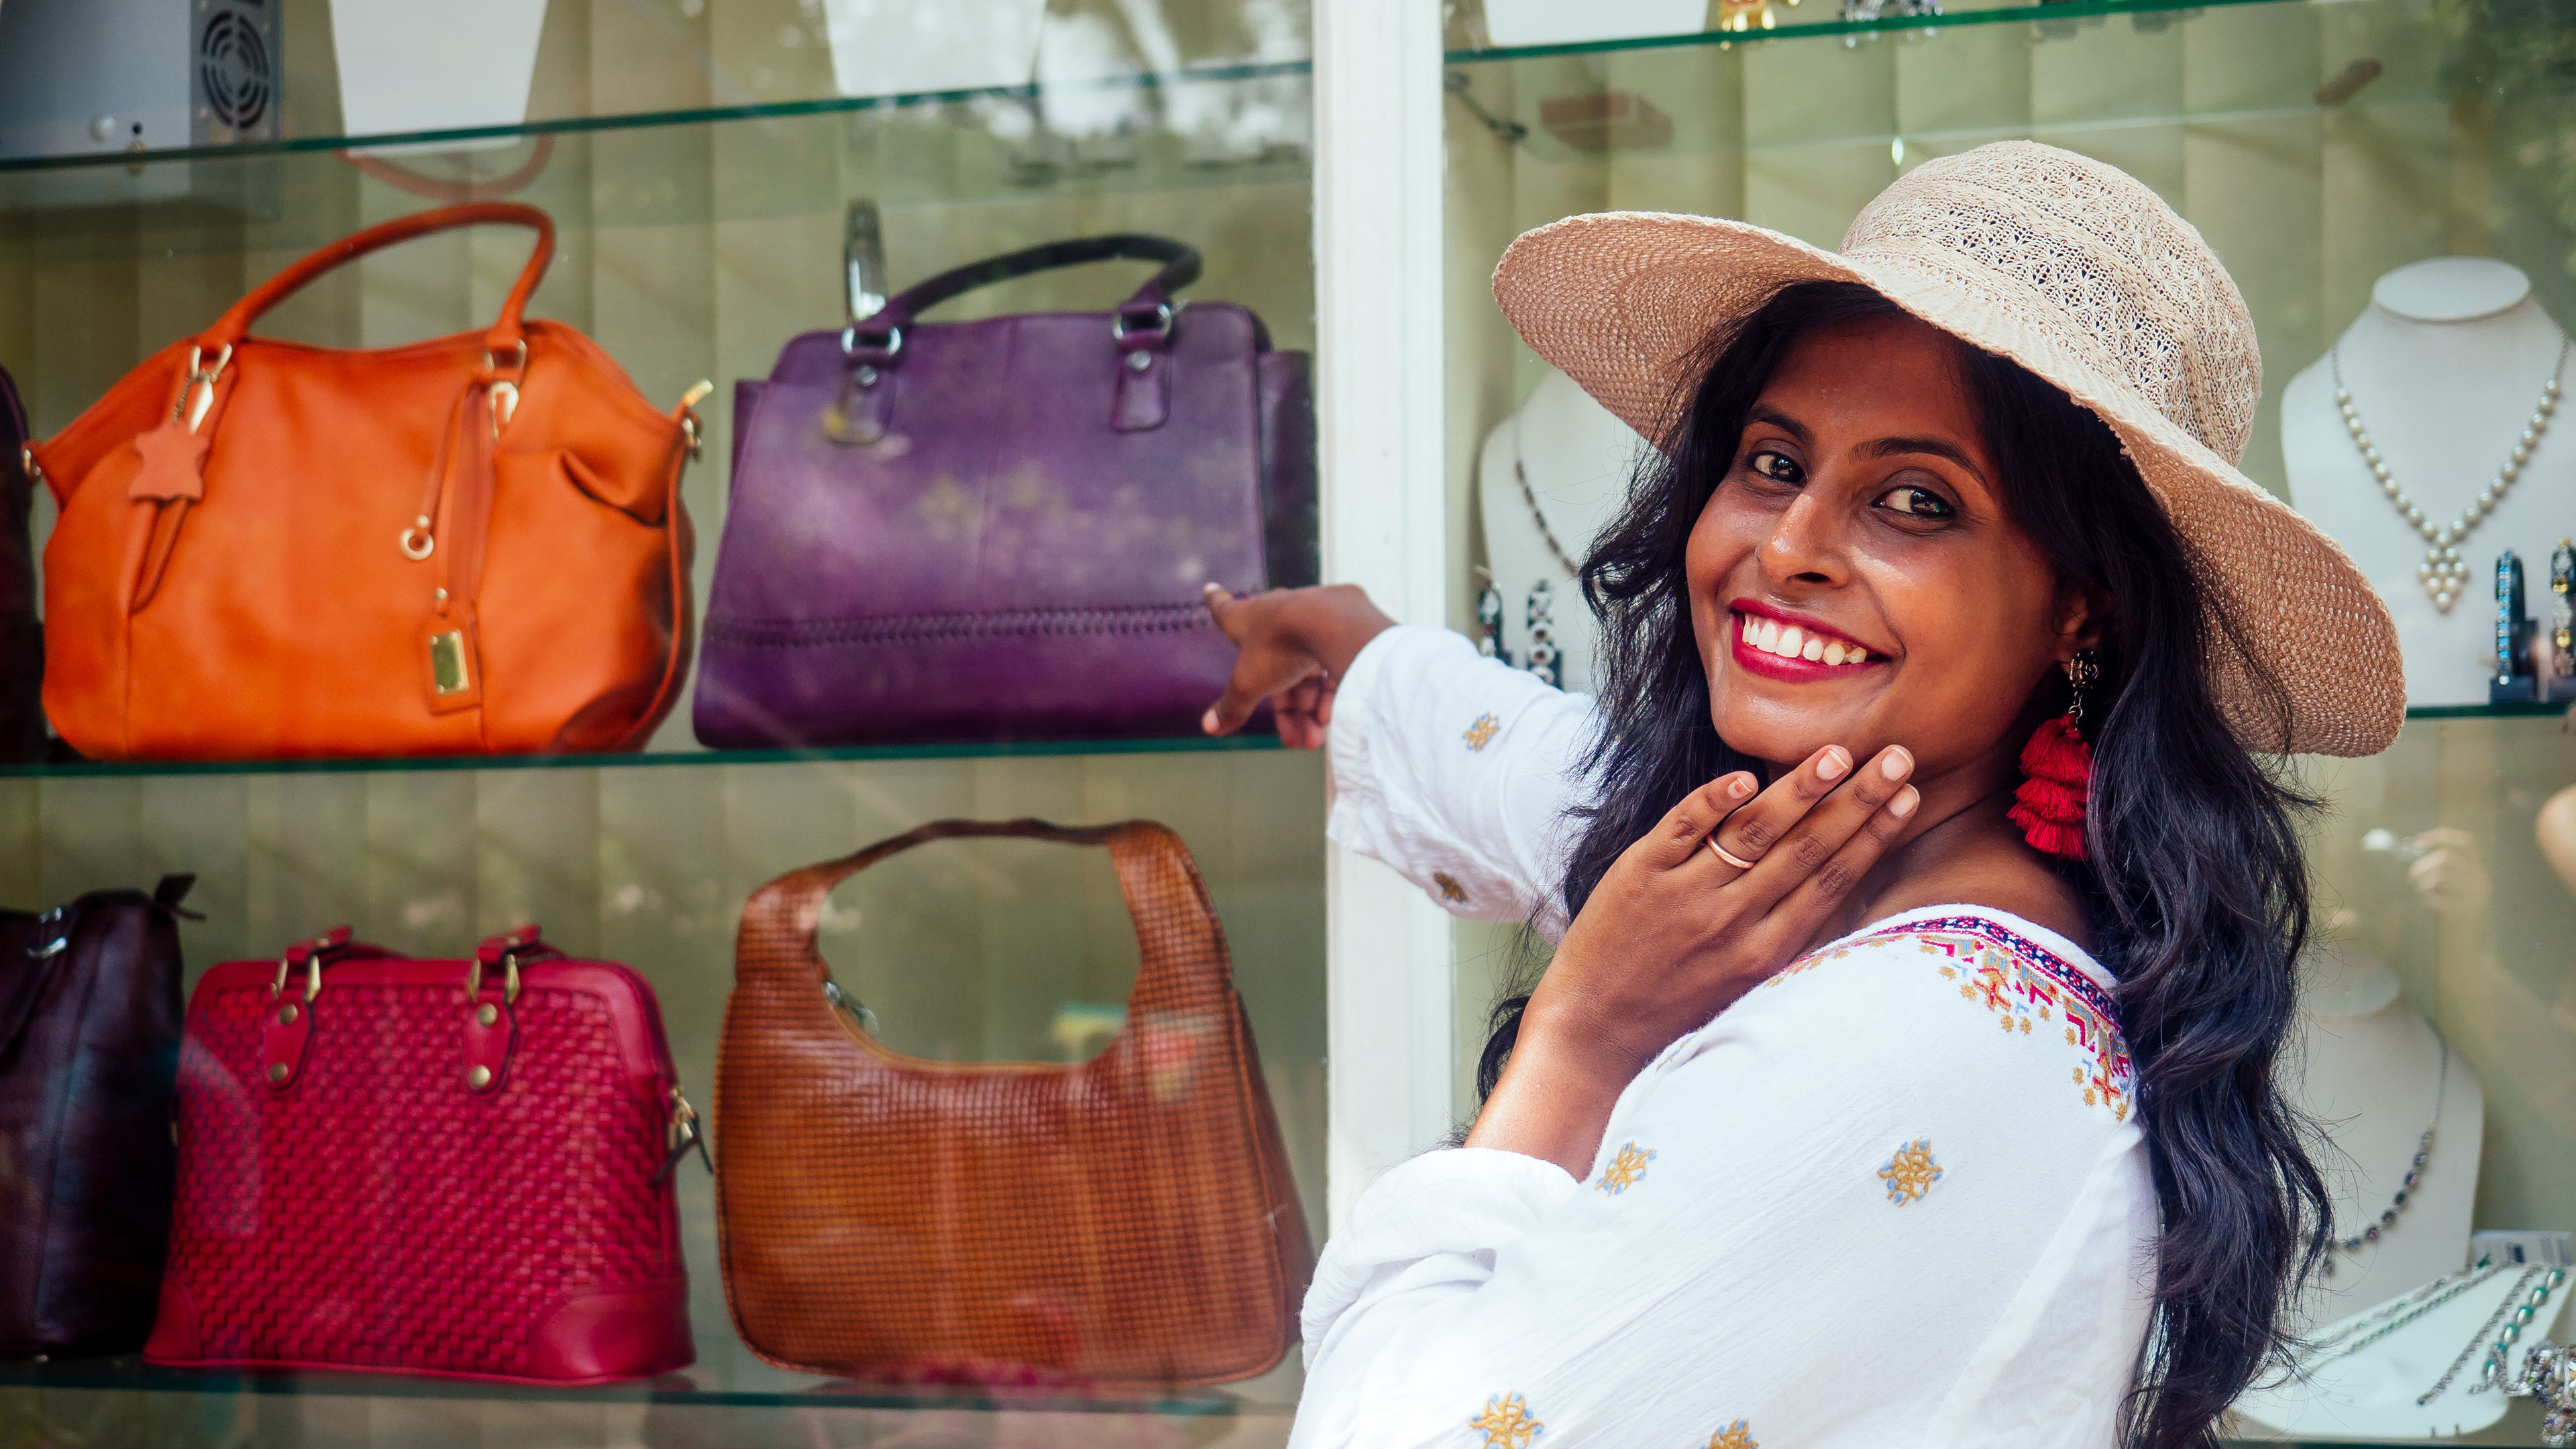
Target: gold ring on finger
(1721,853)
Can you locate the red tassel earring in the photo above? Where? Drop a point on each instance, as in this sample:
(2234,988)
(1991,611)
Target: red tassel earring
(2049,806)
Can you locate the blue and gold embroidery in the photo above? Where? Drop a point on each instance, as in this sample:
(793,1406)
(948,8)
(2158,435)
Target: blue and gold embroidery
(1911,1172)
(1506,1423)
(1733,1436)
(1625,1169)
(1450,890)
(2019,982)
(1482,732)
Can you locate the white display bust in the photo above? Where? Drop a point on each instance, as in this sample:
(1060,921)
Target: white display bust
(2366,1070)
(1578,457)
(2445,366)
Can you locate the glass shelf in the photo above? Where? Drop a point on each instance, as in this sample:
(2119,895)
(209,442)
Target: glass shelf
(471,137)
(969,750)
(2155,13)
(692,1388)
(1185,745)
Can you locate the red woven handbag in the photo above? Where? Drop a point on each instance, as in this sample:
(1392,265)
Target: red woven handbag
(457,1168)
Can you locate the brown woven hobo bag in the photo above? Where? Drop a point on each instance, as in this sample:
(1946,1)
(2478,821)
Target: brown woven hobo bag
(1129,1219)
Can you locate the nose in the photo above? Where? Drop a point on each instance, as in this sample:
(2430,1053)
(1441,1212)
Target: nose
(1807,544)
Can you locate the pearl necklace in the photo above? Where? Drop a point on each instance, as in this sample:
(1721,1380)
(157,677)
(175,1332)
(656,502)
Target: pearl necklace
(2443,570)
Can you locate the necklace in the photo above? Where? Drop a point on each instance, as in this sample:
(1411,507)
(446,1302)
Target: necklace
(2491,1369)
(2443,571)
(1529,496)
(2415,1307)
(2316,1346)
(2414,1170)
(2478,1340)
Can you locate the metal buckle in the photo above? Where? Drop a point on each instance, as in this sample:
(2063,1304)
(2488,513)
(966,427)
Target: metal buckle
(509,978)
(38,951)
(1162,323)
(312,971)
(893,342)
(850,1006)
(199,393)
(520,364)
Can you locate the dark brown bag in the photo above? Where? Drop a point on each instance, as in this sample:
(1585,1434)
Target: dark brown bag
(1129,1219)
(89,1048)
(22,637)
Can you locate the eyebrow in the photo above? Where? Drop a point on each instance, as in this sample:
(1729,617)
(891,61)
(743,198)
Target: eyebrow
(1938,448)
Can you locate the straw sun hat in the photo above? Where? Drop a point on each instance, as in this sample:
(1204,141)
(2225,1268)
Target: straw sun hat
(2080,274)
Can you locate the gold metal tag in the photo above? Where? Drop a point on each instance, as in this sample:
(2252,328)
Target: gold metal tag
(447,662)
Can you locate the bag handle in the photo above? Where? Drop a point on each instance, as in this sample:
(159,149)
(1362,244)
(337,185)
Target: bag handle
(1152,865)
(505,336)
(879,338)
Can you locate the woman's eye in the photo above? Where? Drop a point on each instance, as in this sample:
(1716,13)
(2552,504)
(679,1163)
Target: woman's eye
(1915,502)
(1778,467)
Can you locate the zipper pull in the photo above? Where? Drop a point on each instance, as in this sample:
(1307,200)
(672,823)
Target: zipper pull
(681,1135)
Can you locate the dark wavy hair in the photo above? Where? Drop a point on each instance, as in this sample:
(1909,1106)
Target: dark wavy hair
(2193,881)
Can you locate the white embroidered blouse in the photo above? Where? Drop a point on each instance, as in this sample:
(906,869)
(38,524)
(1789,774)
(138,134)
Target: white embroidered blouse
(1895,1195)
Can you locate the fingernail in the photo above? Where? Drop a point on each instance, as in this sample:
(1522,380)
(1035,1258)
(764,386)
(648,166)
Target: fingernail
(1904,803)
(1896,763)
(1207,722)
(1834,763)
(1738,786)
(1209,587)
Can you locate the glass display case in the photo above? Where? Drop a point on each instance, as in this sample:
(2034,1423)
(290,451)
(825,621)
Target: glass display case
(699,160)
(1350,185)
(2320,148)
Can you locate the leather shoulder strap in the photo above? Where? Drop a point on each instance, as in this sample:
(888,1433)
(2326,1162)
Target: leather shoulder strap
(1176,925)
(1180,268)
(505,334)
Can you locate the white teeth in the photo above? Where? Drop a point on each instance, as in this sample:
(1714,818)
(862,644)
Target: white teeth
(1791,642)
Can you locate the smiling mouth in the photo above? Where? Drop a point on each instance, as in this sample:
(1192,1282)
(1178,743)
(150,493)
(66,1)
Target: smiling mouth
(1808,651)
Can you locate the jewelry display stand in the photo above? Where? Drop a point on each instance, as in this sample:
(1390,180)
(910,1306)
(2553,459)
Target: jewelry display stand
(2444,368)
(2384,1389)
(2367,1068)
(1577,459)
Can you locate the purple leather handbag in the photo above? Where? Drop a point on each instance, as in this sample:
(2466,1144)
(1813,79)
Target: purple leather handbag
(998,530)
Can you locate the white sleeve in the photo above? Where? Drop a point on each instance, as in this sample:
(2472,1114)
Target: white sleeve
(1457,770)
(1847,1213)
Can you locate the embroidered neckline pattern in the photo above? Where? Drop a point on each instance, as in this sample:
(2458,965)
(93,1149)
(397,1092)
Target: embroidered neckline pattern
(1506,1422)
(2021,982)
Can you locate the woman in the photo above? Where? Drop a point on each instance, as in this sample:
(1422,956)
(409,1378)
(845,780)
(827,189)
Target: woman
(1876,1094)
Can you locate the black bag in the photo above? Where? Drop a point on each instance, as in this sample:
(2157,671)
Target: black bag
(89,1050)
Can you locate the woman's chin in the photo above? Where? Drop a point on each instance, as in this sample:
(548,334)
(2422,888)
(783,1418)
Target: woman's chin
(1785,721)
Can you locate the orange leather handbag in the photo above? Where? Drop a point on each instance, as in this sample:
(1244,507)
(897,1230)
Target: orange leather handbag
(1129,1219)
(466,545)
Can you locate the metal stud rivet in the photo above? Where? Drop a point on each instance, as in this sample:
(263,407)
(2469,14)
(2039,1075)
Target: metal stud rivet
(277,1071)
(286,1014)
(479,1078)
(1139,360)
(485,1015)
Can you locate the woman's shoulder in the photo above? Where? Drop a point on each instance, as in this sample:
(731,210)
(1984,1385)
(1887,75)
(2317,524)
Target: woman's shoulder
(1956,984)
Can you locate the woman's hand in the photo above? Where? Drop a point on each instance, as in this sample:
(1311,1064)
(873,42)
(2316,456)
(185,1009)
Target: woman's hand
(1296,644)
(1673,934)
